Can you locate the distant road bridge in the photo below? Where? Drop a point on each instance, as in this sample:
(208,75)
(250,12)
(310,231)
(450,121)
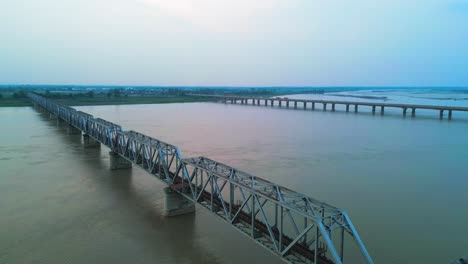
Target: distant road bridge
(297,228)
(297,103)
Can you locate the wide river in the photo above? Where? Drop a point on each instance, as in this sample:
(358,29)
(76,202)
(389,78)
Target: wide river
(403,181)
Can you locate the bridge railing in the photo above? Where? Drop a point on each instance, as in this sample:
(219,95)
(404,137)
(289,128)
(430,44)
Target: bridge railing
(296,227)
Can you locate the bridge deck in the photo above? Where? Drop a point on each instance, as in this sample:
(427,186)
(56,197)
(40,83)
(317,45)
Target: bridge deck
(413,107)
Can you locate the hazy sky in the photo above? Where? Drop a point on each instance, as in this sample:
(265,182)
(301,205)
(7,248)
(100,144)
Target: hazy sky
(238,43)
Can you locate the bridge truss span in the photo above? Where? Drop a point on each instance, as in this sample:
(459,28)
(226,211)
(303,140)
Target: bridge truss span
(296,227)
(292,225)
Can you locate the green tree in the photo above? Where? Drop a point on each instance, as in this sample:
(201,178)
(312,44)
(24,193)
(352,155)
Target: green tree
(116,92)
(90,94)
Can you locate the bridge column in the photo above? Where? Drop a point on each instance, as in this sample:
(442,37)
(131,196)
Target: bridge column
(313,106)
(287,104)
(305,105)
(441,115)
(89,142)
(347,108)
(333,107)
(404,111)
(71,130)
(450,114)
(373,109)
(266,102)
(258,101)
(272,102)
(324,107)
(413,112)
(295,104)
(118,162)
(356,108)
(176,204)
(280,103)
(382,110)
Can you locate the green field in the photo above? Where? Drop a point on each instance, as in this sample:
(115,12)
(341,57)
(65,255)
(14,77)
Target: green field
(8,100)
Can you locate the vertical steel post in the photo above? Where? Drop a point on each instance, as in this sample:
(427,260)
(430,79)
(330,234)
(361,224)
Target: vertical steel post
(253,215)
(342,244)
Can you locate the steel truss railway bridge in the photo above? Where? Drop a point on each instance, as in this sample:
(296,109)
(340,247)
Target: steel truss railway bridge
(297,228)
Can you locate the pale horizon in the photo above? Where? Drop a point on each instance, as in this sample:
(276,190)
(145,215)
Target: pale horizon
(235,43)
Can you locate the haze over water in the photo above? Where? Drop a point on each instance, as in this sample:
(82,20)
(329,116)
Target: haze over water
(402,180)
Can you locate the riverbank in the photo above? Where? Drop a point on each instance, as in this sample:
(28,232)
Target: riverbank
(103,100)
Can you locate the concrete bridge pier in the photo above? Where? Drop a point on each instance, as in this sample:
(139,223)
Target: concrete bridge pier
(258,101)
(287,104)
(347,108)
(450,115)
(176,204)
(272,102)
(356,108)
(441,114)
(324,107)
(404,111)
(305,105)
(71,130)
(89,142)
(413,112)
(333,107)
(117,162)
(382,110)
(295,104)
(313,106)
(266,102)
(280,103)
(373,109)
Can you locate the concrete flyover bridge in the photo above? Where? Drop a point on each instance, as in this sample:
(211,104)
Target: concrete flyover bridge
(311,104)
(295,227)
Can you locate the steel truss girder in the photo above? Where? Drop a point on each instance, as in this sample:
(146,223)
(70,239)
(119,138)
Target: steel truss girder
(296,227)
(260,201)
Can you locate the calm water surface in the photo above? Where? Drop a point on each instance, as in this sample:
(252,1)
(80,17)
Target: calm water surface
(402,180)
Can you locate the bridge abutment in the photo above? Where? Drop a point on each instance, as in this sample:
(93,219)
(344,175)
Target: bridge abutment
(176,204)
(117,162)
(89,142)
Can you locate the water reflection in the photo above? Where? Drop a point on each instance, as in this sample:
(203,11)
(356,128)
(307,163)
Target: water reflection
(177,234)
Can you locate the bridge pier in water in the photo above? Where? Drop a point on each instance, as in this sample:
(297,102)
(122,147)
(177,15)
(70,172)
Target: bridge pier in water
(71,130)
(176,204)
(89,142)
(117,162)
